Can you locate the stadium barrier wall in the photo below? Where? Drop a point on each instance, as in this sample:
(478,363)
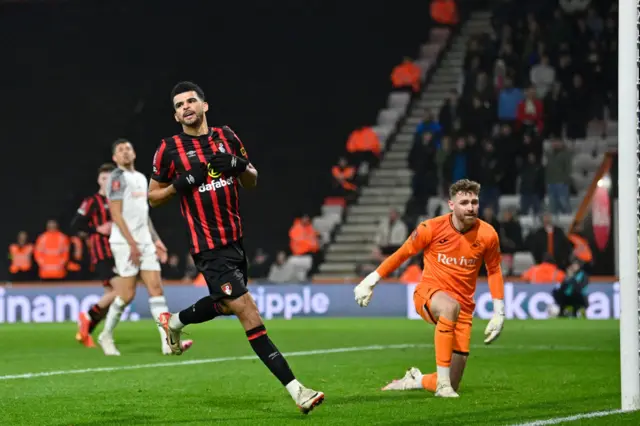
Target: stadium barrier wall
(522,301)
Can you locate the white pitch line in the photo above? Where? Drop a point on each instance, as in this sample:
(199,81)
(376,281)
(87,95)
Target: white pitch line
(206,361)
(556,420)
(290,354)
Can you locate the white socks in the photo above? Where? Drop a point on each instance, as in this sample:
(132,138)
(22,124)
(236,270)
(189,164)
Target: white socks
(113,315)
(443,375)
(158,305)
(175,323)
(294,387)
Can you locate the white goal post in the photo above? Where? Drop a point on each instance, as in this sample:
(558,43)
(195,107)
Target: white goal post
(628,197)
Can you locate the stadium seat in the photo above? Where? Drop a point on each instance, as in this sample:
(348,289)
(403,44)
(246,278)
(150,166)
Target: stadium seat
(425,66)
(389,117)
(398,100)
(522,261)
(430,51)
(383,132)
(439,35)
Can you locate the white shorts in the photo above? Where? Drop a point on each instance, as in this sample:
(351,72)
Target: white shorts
(148,259)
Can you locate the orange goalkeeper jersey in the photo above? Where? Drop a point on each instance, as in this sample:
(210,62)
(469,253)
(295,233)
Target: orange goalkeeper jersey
(452,259)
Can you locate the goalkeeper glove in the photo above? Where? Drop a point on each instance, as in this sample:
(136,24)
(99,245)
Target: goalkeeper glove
(494,328)
(228,164)
(196,176)
(364,290)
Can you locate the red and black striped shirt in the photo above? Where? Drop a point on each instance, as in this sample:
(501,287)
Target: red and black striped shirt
(96,209)
(211,210)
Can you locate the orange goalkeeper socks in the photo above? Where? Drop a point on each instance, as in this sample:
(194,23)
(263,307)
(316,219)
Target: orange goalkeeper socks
(444,341)
(429,382)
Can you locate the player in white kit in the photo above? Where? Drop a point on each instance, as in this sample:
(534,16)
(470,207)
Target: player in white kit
(135,245)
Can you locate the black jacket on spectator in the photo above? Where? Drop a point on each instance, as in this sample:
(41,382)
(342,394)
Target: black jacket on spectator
(536,242)
(510,236)
(532,179)
(448,114)
(555,110)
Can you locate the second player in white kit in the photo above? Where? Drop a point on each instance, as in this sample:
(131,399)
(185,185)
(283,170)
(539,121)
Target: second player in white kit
(135,245)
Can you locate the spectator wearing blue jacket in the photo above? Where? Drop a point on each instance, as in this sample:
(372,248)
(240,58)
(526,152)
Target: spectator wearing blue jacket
(508,101)
(431,125)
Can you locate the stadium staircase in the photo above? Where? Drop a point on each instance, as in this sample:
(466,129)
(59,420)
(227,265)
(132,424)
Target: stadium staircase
(389,185)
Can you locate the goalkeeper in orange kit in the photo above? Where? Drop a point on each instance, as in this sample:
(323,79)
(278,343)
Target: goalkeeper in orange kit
(454,245)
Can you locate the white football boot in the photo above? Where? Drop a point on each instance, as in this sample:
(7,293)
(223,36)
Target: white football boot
(308,399)
(108,346)
(411,380)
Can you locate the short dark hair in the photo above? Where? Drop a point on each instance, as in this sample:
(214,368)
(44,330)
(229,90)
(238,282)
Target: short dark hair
(106,168)
(117,142)
(186,86)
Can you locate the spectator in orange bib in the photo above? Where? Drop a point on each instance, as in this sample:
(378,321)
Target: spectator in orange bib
(454,246)
(51,253)
(406,75)
(21,257)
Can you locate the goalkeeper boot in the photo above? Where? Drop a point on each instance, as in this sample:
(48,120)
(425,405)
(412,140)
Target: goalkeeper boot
(411,380)
(308,399)
(444,390)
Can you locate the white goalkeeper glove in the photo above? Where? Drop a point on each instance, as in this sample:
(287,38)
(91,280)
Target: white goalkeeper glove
(364,290)
(494,328)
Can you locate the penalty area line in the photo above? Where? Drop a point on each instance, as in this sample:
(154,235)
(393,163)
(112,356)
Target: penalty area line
(556,420)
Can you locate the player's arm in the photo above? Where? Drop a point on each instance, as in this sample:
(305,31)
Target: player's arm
(249,178)
(80,222)
(115,195)
(417,242)
(492,259)
(238,164)
(161,249)
(160,192)
(164,184)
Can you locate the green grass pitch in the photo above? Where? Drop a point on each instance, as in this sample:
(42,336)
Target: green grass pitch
(537,370)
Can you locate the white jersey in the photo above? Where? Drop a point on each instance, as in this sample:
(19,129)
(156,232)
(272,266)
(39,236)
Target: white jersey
(131,188)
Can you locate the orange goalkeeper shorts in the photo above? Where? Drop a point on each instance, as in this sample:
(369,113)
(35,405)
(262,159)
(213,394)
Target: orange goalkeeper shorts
(462,332)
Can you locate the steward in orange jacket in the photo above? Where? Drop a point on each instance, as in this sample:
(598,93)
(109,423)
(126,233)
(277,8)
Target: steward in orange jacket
(544,273)
(405,75)
(444,12)
(343,175)
(304,238)
(21,257)
(52,253)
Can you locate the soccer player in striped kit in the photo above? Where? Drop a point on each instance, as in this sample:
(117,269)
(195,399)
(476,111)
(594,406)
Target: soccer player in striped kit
(205,166)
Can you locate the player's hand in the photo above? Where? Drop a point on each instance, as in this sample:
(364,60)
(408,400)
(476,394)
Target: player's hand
(104,229)
(494,328)
(134,254)
(364,290)
(228,164)
(196,176)
(161,251)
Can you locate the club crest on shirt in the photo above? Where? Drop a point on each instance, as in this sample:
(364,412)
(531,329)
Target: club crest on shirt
(226,288)
(115,185)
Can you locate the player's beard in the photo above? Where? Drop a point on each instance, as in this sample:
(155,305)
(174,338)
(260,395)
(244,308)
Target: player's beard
(195,124)
(466,219)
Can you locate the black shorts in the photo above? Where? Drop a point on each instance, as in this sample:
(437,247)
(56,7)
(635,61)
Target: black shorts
(105,269)
(225,270)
